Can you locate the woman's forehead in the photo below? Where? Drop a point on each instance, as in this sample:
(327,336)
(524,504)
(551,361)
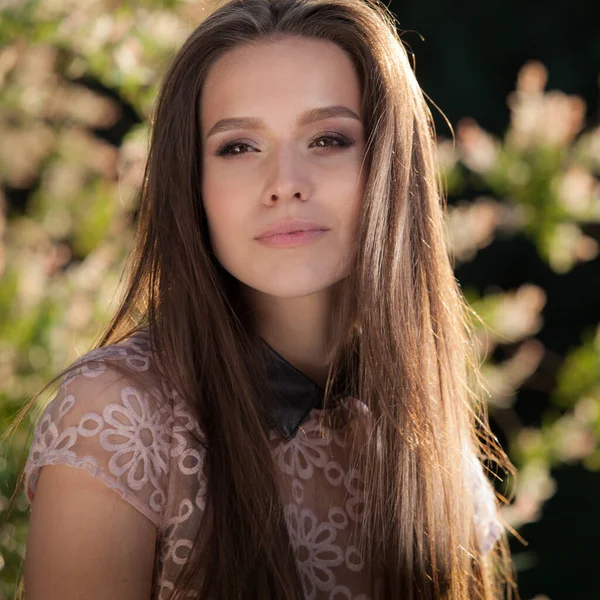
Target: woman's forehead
(288,76)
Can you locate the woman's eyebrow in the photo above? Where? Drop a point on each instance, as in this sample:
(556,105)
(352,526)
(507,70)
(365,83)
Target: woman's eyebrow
(309,116)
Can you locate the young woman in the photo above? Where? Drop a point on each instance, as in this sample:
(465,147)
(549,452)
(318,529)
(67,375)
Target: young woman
(285,405)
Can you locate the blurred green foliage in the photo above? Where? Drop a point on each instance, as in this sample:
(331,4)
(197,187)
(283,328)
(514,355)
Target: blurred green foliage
(62,250)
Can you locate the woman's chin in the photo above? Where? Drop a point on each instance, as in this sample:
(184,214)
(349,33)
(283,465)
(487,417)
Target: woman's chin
(290,287)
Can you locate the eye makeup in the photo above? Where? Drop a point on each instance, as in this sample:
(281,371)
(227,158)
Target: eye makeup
(227,150)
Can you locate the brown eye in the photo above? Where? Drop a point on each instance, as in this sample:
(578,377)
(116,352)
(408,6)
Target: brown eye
(341,142)
(231,148)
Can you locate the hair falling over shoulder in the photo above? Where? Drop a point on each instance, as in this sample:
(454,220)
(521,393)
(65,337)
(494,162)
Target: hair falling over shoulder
(408,351)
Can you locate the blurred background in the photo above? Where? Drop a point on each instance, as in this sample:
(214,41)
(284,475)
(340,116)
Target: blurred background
(519,83)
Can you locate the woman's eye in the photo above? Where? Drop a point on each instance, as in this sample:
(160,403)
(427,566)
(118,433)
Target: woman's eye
(228,149)
(233,149)
(340,141)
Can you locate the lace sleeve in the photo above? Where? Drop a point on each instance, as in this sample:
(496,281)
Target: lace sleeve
(104,422)
(487,522)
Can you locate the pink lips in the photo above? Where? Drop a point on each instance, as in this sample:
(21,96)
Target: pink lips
(291,232)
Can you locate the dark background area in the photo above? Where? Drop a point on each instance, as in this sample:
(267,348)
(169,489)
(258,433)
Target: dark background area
(472,50)
(467,64)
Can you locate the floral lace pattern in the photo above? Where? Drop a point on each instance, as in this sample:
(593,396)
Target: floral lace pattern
(148,447)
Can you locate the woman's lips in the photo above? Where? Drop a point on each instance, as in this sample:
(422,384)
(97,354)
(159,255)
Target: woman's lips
(293,239)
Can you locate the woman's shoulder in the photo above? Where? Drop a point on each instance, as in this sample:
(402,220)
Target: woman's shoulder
(115,417)
(131,355)
(118,372)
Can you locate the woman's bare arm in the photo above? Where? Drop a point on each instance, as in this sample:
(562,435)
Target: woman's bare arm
(85,541)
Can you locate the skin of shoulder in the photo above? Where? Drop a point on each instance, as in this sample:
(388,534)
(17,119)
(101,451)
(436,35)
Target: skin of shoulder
(85,541)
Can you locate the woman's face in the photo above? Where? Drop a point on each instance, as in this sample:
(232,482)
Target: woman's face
(274,162)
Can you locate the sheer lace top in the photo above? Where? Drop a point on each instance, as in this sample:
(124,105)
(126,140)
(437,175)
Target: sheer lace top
(142,444)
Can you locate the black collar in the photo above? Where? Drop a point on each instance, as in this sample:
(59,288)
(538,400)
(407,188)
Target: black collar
(296,394)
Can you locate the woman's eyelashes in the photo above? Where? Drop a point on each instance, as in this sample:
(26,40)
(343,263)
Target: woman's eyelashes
(231,149)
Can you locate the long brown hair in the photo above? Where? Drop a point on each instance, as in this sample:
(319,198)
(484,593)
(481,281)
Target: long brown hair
(407,350)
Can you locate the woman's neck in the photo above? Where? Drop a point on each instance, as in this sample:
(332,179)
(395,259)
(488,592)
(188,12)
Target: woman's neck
(296,328)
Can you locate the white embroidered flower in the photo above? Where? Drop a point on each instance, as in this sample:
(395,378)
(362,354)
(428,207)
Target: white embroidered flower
(334,473)
(170,533)
(338,517)
(355,504)
(354,559)
(316,552)
(139,437)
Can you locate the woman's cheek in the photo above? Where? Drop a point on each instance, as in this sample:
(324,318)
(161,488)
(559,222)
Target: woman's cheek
(229,220)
